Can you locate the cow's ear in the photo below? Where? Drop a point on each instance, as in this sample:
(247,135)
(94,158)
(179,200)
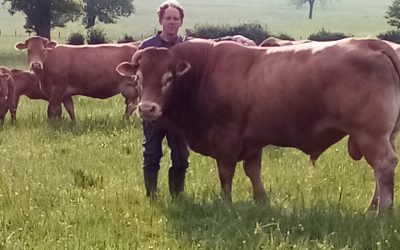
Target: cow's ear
(5,76)
(182,68)
(8,76)
(126,69)
(20,46)
(51,45)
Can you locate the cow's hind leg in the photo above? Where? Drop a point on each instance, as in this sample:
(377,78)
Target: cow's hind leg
(226,171)
(380,154)
(252,168)
(69,106)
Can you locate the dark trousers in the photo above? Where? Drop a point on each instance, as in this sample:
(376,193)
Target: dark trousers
(152,147)
(152,153)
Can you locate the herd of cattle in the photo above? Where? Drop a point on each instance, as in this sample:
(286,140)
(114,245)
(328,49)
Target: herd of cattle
(229,100)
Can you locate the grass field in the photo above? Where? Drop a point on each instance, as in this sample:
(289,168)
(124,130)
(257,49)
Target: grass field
(80,186)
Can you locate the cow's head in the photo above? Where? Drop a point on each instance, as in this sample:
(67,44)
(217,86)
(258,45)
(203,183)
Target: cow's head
(5,84)
(4,78)
(37,50)
(153,71)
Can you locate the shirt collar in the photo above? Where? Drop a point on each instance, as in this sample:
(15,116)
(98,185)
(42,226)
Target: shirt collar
(166,44)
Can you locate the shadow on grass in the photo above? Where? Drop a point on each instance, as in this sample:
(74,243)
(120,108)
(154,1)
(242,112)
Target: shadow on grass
(243,225)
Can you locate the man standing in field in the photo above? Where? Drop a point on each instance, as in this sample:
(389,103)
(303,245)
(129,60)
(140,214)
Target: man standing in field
(170,15)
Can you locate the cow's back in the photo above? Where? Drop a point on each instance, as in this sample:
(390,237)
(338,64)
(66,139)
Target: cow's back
(308,93)
(87,70)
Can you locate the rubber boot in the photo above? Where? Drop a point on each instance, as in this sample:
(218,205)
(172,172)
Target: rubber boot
(176,181)
(150,182)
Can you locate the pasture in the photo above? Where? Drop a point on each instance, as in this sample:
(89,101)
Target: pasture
(80,186)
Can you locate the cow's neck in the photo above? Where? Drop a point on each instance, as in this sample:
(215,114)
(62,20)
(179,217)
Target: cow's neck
(185,106)
(188,114)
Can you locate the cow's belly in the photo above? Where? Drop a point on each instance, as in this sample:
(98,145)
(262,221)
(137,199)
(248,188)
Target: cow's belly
(36,95)
(313,138)
(217,142)
(100,92)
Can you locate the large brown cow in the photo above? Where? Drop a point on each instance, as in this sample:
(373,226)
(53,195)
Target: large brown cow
(230,101)
(89,70)
(6,91)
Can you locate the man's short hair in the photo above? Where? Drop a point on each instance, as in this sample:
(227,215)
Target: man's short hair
(169,3)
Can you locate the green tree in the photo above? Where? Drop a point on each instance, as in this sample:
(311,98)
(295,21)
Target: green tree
(300,3)
(44,15)
(393,14)
(106,11)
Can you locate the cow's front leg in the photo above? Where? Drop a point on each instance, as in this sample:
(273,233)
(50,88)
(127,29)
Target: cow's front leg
(226,171)
(56,97)
(252,168)
(13,108)
(54,109)
(3,109)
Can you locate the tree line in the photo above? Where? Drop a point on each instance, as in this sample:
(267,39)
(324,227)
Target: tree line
(44,15)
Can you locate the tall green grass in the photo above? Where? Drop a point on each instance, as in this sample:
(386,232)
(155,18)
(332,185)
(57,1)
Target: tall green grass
(79,186)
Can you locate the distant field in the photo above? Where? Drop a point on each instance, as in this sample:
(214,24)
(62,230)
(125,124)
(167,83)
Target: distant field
(355,17)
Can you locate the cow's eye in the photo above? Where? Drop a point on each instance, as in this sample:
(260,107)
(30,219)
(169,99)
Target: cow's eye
(169,80)
(135,80)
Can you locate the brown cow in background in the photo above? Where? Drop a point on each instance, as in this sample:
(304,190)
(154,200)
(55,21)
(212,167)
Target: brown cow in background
(230,101)
(6,91)
(88,70)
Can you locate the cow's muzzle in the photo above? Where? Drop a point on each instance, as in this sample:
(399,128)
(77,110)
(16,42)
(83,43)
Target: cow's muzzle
(149,111)
(36,66)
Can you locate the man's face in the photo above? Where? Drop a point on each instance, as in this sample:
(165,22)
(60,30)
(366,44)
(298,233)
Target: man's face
(171,21)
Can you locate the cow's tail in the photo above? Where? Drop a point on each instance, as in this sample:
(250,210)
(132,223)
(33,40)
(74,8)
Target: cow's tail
(394,57)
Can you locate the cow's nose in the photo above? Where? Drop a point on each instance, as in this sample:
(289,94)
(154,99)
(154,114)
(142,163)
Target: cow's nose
(147,107)
(149,110)
(36,65)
